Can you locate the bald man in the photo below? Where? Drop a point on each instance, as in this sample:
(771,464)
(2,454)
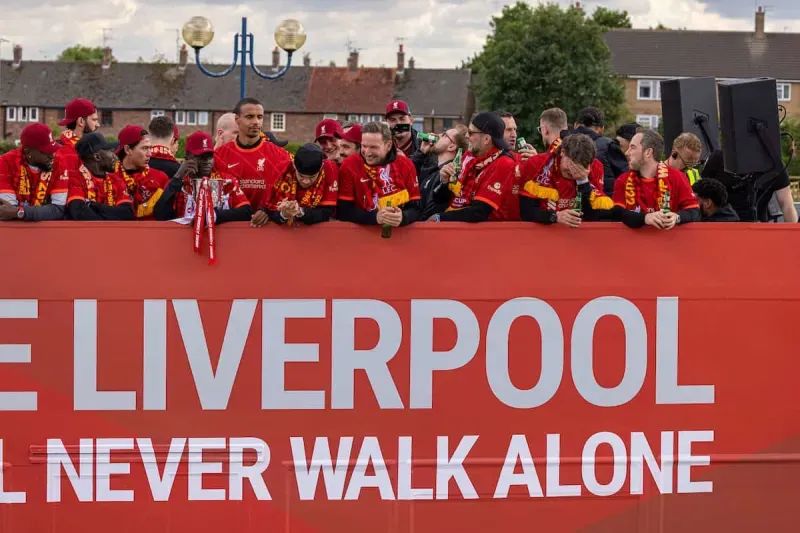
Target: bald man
(226,131)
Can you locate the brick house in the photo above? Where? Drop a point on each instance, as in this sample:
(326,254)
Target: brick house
(645,57)
(132,93)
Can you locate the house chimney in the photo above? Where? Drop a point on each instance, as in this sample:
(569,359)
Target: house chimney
(107,56)
(17,56)
(352,61)
(307,59)
(411,64)
(276,58)
(401,59)
(183,58)
(760,15)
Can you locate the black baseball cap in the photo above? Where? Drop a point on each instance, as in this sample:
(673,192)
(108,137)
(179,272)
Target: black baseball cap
(91,143)
(491,124)
(308,159)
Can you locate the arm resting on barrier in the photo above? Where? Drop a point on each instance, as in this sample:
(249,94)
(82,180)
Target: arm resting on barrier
(165,206)
(239,214)
(44,212)
(477,211)
(350,212)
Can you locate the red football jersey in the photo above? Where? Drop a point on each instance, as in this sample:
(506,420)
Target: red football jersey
(541,178)
(645,195)
(66,157)
(491,180)
(255,169)
(145,188)
(372,187)
(21,184)
(110,190)
(324,192)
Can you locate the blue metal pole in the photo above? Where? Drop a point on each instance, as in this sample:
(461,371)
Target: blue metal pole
(243,72)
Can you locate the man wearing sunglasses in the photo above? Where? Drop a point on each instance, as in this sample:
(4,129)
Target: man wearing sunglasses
(685,156)
(484,190)
(440,153)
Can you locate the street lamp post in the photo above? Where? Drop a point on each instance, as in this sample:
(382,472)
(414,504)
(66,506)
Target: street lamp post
(289,35)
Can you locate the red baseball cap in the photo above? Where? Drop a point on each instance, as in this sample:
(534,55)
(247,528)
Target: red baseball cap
(77,108)
(130,136)
(199,143)
(353,135)
(397,106)
(39,137)
(328,128)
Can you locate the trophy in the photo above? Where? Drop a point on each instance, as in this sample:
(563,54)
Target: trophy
(216,188)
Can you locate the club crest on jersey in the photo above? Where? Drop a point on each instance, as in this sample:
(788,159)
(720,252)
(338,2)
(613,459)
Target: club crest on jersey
(260,164)
(334,186)
(205,144)
(496,187)
(387,187)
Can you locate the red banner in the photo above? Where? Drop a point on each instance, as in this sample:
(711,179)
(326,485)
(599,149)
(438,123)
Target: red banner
(495,377)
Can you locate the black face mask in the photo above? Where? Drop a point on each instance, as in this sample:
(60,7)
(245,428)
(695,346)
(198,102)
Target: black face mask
(401,128)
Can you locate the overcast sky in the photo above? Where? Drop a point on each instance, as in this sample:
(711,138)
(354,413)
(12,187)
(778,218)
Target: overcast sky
(438,33)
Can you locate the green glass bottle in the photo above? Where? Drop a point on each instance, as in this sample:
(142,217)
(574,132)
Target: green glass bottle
(386,229)
(665,202)
(521,143)
(457,164)
(578,205)
(428,137)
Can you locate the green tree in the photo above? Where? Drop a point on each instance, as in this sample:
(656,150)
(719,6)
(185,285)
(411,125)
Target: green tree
(791,127)
(542,57)
(610,18)
(83,53)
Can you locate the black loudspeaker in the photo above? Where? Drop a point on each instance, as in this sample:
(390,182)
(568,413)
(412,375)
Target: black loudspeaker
(748,112)
(690,105)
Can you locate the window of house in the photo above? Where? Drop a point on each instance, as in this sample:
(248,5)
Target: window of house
(352,118)
(419,124)
(648,89)
(447,123)
(11,114)
(22,114)
(156,113)
(191,118)
(202,118)
(278,122)
(648,121)
(33,114)
(107,118)
(332,116)
(784,92)
(180,117)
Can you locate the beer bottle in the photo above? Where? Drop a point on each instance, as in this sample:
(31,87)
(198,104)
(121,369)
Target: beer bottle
(457,164)
(578,205)
(427,137)
(386,229)
(521,143)
(665,202)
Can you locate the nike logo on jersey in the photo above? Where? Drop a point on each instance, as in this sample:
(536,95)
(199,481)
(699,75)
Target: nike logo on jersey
(232,165)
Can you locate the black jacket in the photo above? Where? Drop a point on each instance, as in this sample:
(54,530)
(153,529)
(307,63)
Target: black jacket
(723,214)
(614,165)
(429,180)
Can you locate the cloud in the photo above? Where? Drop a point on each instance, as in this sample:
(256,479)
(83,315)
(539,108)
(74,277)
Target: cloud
(437,33)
